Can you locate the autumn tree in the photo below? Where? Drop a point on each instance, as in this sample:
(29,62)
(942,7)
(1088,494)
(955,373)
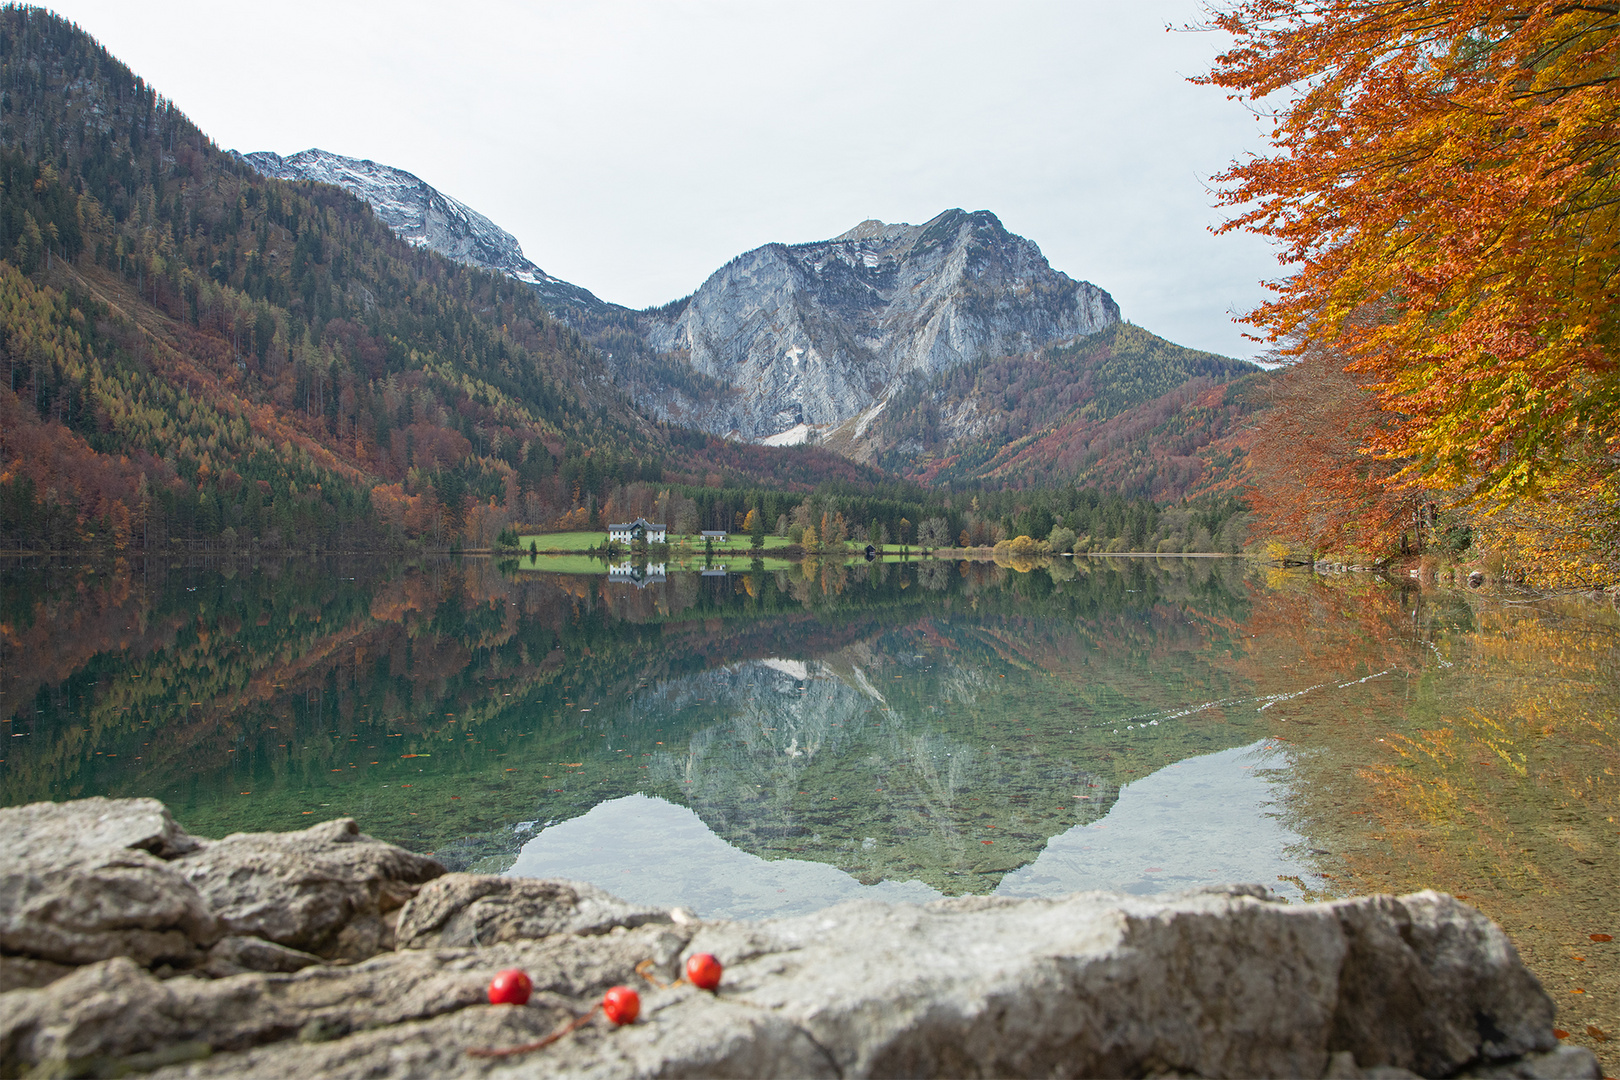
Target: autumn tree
(1311,479)
(1450,164)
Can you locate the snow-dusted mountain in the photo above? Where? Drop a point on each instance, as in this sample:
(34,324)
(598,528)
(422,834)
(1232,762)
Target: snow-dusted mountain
(423,215)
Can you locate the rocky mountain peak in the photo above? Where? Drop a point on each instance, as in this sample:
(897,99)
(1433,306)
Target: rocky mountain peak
(812,335)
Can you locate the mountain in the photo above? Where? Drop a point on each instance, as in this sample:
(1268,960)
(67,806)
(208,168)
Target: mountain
(785,340)
(195,353)
(424,216)
(807,336)
(1122,409)
(946,352)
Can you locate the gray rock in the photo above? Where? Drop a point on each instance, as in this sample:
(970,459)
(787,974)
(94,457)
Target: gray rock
(115,1008)
(1219,982)
(325,890)
(235,954)
(482,909)
(1429,984)
(87,880)
(817,333)
(1564,1063)
(84,828)
(27,973)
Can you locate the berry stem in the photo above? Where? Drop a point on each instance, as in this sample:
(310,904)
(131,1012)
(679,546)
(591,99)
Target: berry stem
(539,1044)
(644,969)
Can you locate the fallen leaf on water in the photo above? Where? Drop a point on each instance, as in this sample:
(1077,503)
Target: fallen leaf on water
(1597,1033)
(1601,937)
(986,841)
(1560,1033)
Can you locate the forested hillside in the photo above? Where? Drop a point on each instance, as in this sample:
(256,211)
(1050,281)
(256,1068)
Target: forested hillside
(193,352)
(1121,409)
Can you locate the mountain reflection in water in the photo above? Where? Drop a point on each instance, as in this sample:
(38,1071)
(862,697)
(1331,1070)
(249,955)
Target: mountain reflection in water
(1203,821)
(936,727)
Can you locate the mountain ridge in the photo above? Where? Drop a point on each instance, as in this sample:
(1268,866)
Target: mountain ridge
(195,353)
(1122,408)
(422,215)
(784,341)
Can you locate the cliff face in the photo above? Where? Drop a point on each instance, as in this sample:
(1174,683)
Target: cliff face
(816,334)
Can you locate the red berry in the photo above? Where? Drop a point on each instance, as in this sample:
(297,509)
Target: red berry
(703,971)
(510,988)
(621,1005)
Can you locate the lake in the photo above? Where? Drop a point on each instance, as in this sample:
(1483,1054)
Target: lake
(774,739)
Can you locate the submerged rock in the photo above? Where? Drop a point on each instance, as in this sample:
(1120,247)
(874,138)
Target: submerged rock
(1221,982)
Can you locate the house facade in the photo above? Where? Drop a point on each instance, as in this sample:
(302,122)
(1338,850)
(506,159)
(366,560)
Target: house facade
(641,529)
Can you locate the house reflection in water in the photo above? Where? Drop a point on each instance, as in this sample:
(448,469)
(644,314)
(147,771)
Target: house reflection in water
(639,576)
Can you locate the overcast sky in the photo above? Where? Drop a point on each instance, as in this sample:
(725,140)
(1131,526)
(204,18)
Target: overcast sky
(633,148)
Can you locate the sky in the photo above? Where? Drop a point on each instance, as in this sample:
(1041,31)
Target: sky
(635,147)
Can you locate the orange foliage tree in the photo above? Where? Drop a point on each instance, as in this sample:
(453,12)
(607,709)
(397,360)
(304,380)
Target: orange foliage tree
(1450,163)
(1311,480)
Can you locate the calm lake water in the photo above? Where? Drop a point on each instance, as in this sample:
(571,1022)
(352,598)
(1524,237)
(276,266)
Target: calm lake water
(773,741)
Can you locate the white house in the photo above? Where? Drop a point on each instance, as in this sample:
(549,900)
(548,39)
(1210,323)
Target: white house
(642,528)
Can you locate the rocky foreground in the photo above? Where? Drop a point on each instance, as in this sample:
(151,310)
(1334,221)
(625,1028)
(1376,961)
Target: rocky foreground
(127,945)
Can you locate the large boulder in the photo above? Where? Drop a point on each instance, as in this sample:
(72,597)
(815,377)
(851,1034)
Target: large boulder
(101,878)
(115,1010)
(131,947)
(328,889)
(87,880)
(1204,984)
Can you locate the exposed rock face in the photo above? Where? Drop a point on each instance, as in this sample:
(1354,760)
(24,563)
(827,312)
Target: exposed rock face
(88,880)
(327,889)
(818,333)
(423,215)
(1224,982)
